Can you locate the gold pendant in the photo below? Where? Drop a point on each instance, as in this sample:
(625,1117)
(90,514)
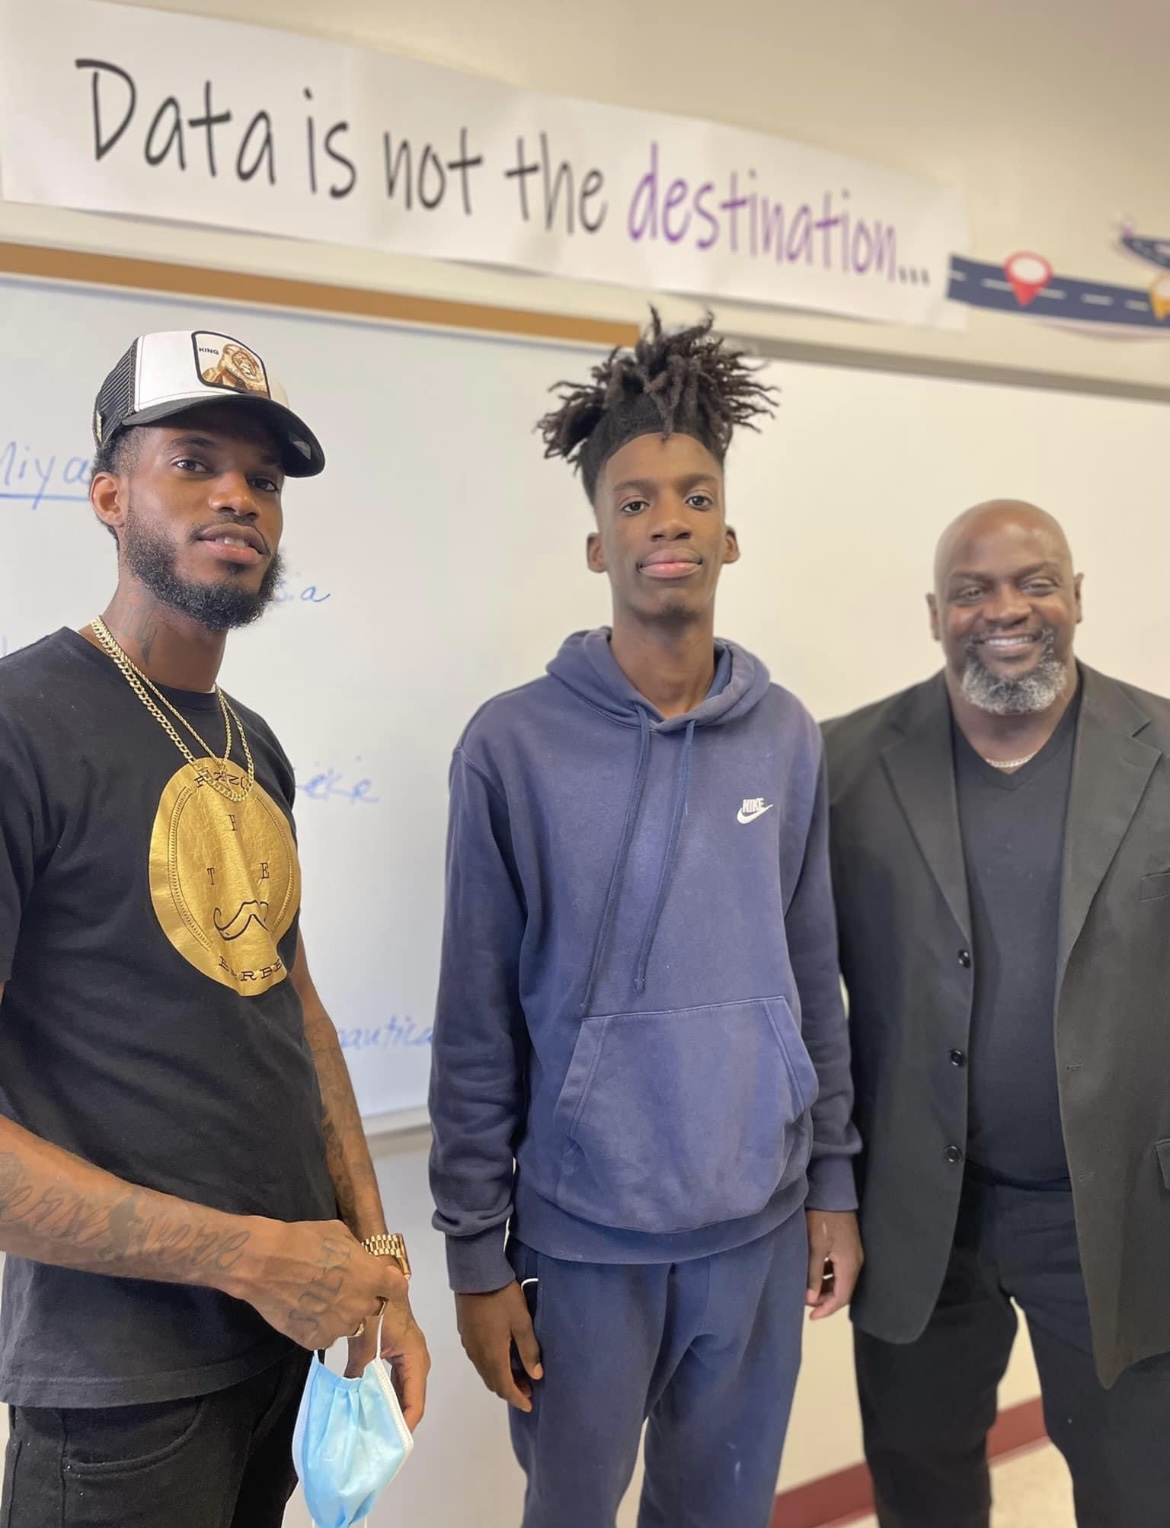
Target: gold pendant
(225,881)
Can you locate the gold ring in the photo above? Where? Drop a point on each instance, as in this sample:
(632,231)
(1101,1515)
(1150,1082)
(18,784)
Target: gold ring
(361,1326)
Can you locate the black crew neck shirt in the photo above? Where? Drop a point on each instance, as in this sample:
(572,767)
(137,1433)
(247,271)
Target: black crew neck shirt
(148,1023)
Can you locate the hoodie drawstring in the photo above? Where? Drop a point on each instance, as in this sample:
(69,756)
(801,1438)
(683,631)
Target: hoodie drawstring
(681,791)
(619,868)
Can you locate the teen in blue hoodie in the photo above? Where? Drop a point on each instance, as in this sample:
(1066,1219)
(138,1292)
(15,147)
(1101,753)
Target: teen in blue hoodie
(641,1065)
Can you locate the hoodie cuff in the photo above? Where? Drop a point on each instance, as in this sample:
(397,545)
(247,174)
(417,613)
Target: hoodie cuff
(830,1184)
(477,1265)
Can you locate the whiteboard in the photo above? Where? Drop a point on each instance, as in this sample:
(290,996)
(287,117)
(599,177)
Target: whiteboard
(440,559)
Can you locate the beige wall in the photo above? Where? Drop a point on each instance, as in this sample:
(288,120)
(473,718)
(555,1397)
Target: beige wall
(1046,114)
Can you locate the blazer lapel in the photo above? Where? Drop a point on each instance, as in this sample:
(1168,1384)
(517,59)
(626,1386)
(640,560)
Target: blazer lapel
(921,768)
(1111,769)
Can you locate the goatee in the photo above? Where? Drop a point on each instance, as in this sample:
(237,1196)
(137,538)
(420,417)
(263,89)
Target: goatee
(220,605)
(1004,695)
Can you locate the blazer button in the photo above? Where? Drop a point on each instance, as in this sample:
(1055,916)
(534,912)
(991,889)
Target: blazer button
(953,1154)
(965,958)
(958,1058)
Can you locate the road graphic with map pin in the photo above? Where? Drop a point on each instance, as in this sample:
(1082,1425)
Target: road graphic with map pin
(1025,283)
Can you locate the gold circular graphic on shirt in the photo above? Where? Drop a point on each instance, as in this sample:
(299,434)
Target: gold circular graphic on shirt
(224,879)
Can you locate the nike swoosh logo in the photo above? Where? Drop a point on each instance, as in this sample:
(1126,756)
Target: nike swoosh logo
(742,816)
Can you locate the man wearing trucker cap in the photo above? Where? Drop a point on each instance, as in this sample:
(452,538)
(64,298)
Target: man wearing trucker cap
(187,1203)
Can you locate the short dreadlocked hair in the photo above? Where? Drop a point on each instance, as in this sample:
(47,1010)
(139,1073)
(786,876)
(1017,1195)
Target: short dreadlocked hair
(691,382)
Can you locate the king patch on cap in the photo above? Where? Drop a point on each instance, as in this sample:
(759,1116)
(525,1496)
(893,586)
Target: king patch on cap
(165,374)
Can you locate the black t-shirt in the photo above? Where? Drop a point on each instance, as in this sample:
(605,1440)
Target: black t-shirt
(1013,843)
(148,1023)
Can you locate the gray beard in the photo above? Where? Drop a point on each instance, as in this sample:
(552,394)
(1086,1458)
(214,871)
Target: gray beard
(1025,696)
(218,606)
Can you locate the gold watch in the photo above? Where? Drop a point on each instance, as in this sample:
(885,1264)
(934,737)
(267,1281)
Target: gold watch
(389,1244)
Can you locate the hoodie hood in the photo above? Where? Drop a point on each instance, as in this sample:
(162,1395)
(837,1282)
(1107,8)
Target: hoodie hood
(586,664)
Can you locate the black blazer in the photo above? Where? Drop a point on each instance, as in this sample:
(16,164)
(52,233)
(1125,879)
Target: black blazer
(906,958)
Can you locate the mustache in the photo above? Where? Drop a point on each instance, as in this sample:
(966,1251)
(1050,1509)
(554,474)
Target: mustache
(229,522)
(241,920)
(1046,635)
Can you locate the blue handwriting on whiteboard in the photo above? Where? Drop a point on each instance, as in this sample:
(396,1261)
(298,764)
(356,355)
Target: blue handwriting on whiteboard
(331,785)
(28,478)
(394,1032)
(292,592)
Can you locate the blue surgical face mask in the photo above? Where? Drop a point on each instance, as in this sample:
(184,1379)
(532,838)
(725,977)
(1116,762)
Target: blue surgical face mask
(350,1442)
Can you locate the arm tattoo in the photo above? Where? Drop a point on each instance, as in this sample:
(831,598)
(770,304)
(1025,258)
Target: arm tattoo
(121,1230)
(347,1154)
(339,1171)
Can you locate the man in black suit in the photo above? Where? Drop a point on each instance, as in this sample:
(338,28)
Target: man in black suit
(1001,855)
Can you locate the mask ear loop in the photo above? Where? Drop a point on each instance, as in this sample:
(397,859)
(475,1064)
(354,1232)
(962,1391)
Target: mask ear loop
(361,1326)
(386,1382)
(378,1340)
(360,1330)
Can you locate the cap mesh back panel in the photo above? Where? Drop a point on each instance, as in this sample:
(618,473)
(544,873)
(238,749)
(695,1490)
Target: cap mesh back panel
(113,401)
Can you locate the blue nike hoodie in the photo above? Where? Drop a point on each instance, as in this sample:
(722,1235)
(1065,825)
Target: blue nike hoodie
(640,1049)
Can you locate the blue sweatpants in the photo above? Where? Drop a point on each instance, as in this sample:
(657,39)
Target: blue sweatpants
(705,1351)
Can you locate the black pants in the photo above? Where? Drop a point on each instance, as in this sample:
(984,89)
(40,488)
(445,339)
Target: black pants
(215,1461)
(927,1406)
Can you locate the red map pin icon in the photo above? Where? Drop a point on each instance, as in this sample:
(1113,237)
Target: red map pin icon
(1028,274)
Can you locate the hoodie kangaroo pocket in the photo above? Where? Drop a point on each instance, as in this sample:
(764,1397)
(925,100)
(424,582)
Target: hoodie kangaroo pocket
(686,1118)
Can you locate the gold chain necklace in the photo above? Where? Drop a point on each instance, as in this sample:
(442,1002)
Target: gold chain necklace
(149,694)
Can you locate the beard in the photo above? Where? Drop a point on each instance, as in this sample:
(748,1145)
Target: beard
(1002,695)
(219,605)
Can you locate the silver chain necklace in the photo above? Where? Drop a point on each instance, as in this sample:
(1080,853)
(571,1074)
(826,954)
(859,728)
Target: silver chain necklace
(1010,763)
